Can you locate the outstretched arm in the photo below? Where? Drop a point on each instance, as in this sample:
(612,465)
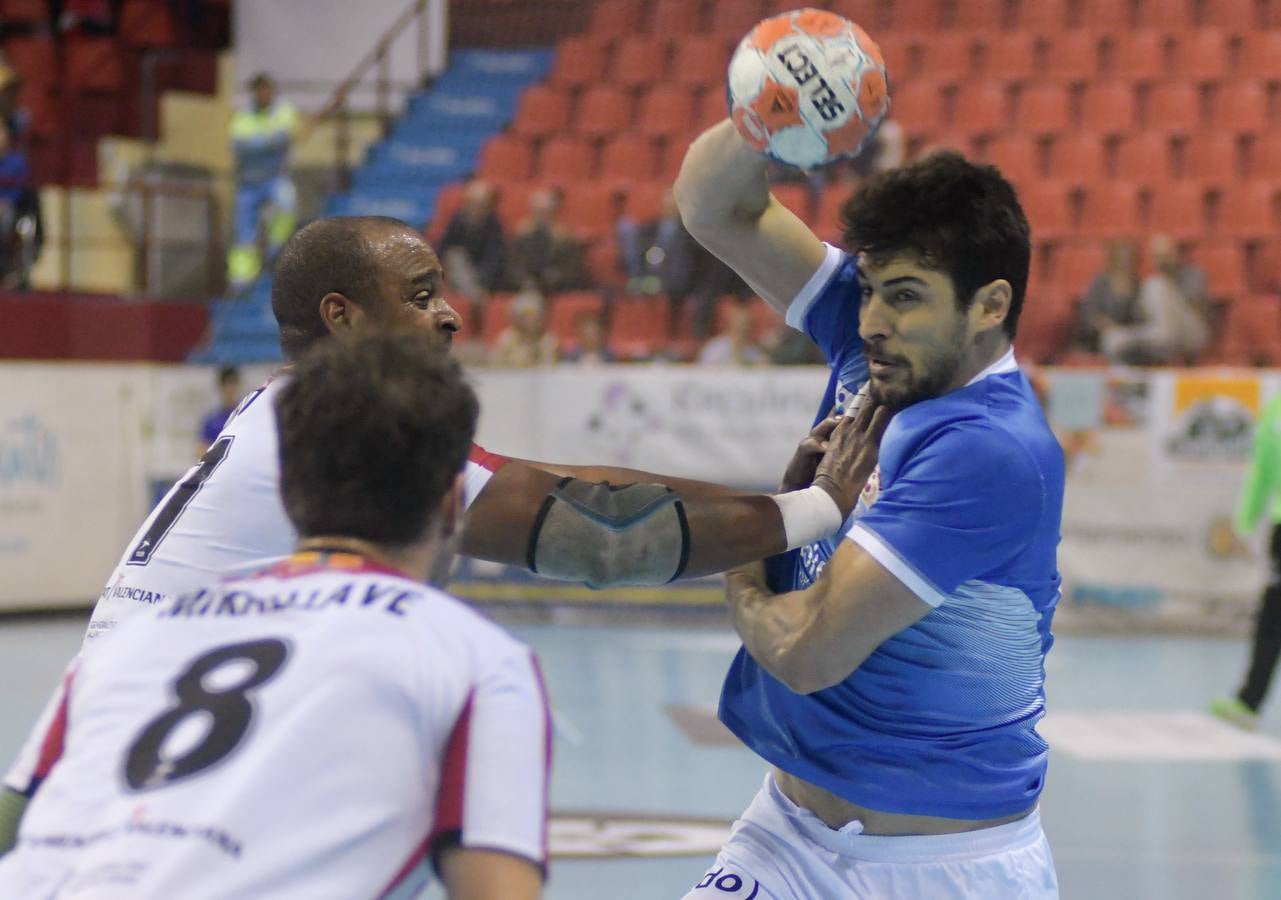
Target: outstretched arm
(725,203)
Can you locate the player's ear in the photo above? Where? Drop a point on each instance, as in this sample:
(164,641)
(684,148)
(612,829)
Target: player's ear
(991,305)
(340,313)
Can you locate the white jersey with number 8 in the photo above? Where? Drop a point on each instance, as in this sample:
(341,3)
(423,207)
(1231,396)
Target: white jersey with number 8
(311,732)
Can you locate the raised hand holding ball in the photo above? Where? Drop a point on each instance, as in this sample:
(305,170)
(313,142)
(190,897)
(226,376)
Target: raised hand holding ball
(807,87)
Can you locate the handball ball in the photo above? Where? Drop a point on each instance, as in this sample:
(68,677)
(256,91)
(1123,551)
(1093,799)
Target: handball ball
(807,87)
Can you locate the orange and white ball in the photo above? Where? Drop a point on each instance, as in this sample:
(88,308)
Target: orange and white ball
(807,87)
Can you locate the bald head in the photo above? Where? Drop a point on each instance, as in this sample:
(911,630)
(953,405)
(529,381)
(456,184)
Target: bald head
(366,260)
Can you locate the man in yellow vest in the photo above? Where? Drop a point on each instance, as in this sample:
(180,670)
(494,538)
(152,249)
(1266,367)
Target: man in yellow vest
(260,139)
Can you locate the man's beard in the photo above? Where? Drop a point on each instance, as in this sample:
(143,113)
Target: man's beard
(923,381)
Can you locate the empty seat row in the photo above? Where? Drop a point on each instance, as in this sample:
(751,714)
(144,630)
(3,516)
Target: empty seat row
(627,156)
(603,110)
(1242,107)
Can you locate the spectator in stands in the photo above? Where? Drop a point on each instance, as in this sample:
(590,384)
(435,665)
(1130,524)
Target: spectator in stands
(543,251)
(472,247)
(229,394)
(19,215)
(526,343)
(1173,312)
(1112,298)
(261,137)
(734,346)
(661,257)
(91,16)
(589,347)
(11,114)
(789,347)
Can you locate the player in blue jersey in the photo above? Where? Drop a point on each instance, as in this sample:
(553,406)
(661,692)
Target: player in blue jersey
(894,675)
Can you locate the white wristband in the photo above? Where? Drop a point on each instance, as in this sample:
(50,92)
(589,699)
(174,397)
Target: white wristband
(808,516)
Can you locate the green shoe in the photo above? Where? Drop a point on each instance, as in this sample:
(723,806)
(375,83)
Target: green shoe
(1234,712)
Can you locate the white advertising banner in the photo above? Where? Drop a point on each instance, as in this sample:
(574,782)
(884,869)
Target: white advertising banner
(70,479)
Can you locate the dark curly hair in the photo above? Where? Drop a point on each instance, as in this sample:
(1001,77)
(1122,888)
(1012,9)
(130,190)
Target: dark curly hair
(373,430)
(959,217)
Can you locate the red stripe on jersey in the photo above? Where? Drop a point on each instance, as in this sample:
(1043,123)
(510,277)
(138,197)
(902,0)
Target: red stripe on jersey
(486,460)
(55,737)
(453,776)
(547,752)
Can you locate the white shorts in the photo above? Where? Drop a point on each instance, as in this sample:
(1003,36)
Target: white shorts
(778,851)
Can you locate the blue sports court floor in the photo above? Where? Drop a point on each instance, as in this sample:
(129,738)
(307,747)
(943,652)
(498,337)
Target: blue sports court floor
(1146,798)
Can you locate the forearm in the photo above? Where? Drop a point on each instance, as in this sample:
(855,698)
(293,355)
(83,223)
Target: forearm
(773,628)
(722,180)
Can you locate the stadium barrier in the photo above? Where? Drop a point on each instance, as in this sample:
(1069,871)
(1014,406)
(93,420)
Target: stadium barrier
(1155,462)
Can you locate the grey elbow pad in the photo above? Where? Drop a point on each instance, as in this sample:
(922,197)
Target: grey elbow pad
(605,535)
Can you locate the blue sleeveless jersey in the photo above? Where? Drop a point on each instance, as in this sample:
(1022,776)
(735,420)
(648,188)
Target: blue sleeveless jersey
(965,510)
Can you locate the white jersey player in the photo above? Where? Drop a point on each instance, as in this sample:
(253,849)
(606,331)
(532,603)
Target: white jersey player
(311,732)
(317,729)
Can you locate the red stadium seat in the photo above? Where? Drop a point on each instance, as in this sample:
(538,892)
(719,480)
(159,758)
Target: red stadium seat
(513,203)
(1238,15)
(1204,54)
(562,317)
(590,209)
(638,326)
(795,197)
(1011,56)
(981,108)
(1074,55)
(666,109)
(1144,156)
(866,13)
(1114,15)
(603,110)
(1263,265)
(616,18)
(1174,107)
(735,17)
(1247,211)
(542,110)
(912,16)
(640,60)
(1252,326)
(581,59)
(1211,156)
(496,317)
(1080,158)
(700,60)
(627,157)
(1261,54)
(93,64)
(507,157)
(147,23)
(1077,263)
(1042,109)
(710,110)
(1108,108)
(1176,208)
(1043,15)
(24,12)
(604,263)
(565,159)
(34,58)
(827,220)
(1223,261)
(1265,157)
(976,15)
(918,106)
(1173,14)
(1240,107)
(948,55)
(900,58)
(1141,55)
(1048,205)
(1110,210)
(644,200)
(668,17)
(447,203)
(1017,156)
(672,155)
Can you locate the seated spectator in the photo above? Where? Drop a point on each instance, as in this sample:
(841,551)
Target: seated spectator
(661,257)
(472,246)
(735,346)
(11,113)
(543,251)
(229,395)
(19,216)
(526,343)
(589,347)
(789,347)
(1111,300)
(1173,315)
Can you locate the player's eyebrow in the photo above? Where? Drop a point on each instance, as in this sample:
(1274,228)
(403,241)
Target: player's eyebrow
(427,276)
(863,276)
